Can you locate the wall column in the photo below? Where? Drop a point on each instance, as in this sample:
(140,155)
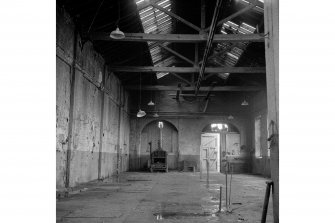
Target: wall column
(119,134)
(271,21)
(71,110)
(101,121)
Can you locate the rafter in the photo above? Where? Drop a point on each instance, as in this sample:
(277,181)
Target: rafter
(204,88)
(148,69)
(181,78)
(179,38)
(177,54)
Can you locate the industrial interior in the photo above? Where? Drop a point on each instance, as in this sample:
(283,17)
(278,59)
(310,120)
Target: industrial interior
(167,111)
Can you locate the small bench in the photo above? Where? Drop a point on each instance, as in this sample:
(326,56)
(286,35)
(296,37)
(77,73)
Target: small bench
(189,166)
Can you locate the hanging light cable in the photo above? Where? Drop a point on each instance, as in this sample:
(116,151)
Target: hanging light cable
(156,114)
(151,103)
(140,113)
(117,34)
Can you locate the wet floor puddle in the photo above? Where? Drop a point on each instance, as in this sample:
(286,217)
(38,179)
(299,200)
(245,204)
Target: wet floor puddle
(176,215)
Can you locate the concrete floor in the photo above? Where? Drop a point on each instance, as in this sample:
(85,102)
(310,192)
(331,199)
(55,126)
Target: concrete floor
(165,197)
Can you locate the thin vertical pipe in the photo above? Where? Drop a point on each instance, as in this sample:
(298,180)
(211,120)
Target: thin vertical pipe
(227,167)
(207,168)
(231,178)
(220,203)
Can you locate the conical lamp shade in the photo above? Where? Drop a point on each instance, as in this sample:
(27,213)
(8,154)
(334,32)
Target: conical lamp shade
(156,115)
(117,34)
(245,103)
(151,103)
(141,113)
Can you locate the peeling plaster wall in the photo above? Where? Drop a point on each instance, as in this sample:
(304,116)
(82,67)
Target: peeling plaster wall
(86,131)
(64,40)
(62,118)
(88,116)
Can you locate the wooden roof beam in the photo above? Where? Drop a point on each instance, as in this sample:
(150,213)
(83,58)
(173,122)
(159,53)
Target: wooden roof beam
(203,88)
(181,78)
(148,69)
(177,54)
(179,38)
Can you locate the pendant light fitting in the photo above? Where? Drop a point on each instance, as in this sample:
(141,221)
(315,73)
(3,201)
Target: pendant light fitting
(117,34)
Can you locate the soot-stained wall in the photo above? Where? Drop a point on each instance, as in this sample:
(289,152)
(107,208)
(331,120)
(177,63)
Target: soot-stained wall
(100,117)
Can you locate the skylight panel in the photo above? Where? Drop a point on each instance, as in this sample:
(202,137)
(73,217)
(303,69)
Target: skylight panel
(257,8)
(146,22)
(161,22)
(145,10)
(244,29)
(167,23)
(248,26)
(155,21)
(147,15)
(163,18)
(232,24)
(160,75)
(165,6)
(139,1)
(232,55)
(163,2)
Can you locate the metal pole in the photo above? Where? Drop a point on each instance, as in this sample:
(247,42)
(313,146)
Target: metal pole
(207,167)
(220,204)
(266,200)
(231,178)
(227,167)
(200,164)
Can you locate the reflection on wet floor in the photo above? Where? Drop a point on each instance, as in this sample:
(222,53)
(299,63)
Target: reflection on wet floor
(176,215)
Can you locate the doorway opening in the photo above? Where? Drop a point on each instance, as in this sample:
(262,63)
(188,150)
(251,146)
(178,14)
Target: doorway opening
(219,141)
(210,152)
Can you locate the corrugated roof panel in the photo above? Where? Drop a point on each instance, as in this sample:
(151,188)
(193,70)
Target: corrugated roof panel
(156,21)
(257,8)
(162,2)
(160,75)
(228,54)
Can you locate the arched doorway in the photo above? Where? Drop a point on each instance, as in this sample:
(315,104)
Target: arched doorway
(217,141)
(159,133)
